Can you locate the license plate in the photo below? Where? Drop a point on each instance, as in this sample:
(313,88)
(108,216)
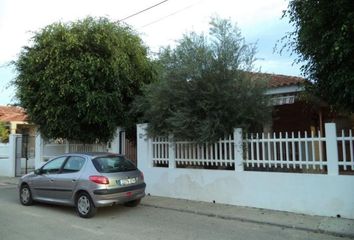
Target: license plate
(126,181)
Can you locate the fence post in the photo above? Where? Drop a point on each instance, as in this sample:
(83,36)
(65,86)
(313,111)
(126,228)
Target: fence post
(144,147)
(171,152)
(115,143)
(150,152)
(67,146)
(238,150)
(38,156)
(331,149)
(122,143)
(12,155)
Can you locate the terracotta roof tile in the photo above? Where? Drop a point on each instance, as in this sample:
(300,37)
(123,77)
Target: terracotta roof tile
(277,80)
(10,113)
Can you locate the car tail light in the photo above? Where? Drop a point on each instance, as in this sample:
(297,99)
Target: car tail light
(99,179)
(142,176)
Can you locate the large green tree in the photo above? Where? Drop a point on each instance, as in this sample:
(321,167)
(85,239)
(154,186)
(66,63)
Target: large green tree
(76,80)
(324,40)
(206,88)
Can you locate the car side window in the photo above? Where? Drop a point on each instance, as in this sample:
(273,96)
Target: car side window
(73,164)
(53,166)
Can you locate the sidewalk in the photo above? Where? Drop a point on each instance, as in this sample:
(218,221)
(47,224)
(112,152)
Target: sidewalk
(328,225)
(6,181)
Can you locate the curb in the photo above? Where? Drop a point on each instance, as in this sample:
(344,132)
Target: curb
(9,182)
(337,234)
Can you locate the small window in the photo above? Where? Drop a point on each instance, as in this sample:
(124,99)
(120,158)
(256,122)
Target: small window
(53,166)
(74,164)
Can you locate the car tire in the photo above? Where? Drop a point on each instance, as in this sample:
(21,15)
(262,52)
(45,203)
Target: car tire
(26,195)
(133,203)
(84,205)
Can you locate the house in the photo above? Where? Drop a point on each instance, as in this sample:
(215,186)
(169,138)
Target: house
(243,169)
(294,112)
(16,119)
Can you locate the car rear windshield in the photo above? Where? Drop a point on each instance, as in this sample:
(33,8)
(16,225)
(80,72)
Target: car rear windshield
(113,164)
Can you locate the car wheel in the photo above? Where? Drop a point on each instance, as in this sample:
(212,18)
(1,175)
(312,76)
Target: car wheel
(26,195)
(133,203)
(84,206)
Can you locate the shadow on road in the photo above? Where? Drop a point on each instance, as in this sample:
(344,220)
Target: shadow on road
(10,196)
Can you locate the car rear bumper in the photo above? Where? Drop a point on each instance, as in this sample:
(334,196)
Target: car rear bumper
(108,197)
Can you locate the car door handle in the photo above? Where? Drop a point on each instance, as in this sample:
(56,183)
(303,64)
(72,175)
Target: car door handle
(51,180)
(73,180)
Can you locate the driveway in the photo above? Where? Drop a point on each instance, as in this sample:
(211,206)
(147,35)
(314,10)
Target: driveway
(43,221)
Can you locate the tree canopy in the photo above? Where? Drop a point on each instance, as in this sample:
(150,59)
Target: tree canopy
(4,133)
(77,80)
(324,40)
(205,88)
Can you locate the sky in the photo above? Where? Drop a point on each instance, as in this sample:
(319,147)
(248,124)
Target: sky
(259,21)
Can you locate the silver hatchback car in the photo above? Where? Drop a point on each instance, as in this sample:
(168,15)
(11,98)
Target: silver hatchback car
(86,181)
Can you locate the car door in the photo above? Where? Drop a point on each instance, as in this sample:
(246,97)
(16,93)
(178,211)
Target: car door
(68,177)
(44,185)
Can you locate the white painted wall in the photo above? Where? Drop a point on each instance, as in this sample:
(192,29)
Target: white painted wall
(300,193)
(52,150)
(4,150)
(4,159)
(4,167)
(45,151)
(7,157)
(314,194)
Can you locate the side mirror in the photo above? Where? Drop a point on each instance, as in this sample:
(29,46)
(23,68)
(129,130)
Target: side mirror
(38,171)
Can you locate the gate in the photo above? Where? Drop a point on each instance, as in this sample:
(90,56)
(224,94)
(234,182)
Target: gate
(24,154)
(127,147)
(18,155)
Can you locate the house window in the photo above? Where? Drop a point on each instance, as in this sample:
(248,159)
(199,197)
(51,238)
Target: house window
(282,100)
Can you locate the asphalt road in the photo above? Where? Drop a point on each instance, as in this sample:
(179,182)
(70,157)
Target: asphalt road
(44,222)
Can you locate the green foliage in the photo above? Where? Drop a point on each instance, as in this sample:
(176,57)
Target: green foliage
(77,80)
(4,133)
(324,39)
(205,89)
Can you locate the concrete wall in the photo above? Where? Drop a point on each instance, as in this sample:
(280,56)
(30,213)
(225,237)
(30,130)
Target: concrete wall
(5,168)
(45,151)
(314,194)
(7,162)
(4,159)
(301,193)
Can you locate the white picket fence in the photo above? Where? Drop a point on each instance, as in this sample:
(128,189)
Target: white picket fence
(191,153)
(288,152)
(283,150)
(160,150)
(310,173)
(346,156)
